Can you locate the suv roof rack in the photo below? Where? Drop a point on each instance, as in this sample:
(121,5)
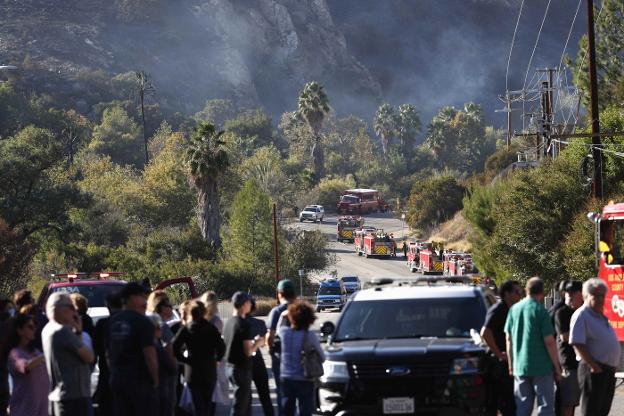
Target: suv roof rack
(70,277)
(388,281)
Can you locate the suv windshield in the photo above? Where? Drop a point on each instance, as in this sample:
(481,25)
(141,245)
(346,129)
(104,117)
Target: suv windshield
(349,279)
(349,198)
(95,294)
(411,318)
(310,209)
(329,290)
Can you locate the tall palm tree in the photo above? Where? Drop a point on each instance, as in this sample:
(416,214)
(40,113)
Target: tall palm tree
(409,126)
(313,107)
(385,125)
(207,160)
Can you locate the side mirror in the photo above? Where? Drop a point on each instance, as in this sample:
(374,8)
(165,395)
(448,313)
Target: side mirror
(328,328)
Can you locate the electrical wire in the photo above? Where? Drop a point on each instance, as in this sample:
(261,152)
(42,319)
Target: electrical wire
(513,40)
(539,33)
(565,46)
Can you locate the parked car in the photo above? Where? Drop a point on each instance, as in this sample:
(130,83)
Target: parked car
(351,283)
(407,349)
(312,213)
(331,294)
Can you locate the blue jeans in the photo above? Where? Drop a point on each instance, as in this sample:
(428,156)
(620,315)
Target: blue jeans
(528,389)
(297,391)
(275,367)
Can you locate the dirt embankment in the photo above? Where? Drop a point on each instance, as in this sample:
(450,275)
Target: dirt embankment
(454,233)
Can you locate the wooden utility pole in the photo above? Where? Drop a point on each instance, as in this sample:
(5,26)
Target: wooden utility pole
(277,271)
(595,115)
(509,133)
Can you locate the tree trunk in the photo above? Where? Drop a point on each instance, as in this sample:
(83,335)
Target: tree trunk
(208,213)
(384,143)
(318,157)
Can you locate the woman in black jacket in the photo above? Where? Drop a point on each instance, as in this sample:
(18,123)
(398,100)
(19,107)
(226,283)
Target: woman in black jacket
(205,348)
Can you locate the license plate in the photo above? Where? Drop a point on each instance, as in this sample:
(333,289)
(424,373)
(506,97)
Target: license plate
(398,405)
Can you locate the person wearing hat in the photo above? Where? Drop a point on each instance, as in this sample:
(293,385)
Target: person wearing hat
(568,391)
(67,359)
(286,295)
(240,346)
(132,355)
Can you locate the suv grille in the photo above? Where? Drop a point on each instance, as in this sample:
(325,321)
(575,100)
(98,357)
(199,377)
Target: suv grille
(425,369)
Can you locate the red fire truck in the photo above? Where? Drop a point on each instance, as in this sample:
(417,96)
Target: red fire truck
(431,259)
(413,255)
(346,226)
(361,201)
(610,261)
(358,241)
(376,244)
(457,264)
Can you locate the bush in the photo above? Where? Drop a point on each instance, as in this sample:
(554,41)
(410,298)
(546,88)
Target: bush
(326,193)
(434,200)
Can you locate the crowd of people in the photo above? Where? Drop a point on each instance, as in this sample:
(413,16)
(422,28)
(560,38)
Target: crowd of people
(150,362)
(560,358)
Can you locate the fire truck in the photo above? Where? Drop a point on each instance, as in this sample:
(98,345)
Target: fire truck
(457,264)
(361,201)
(413,255)
(431,259)
(376,244)
(358,241)
(609,238)
(345,230)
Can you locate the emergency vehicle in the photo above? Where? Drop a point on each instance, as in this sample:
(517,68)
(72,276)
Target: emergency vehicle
(609,238)
(457,264)
(358,241)
(431,259)
(413,255)
(346,226)
(377,244)
(361,201)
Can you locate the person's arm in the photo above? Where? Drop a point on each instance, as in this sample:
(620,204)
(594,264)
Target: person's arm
(220,348)
(86,354)
(178,342)
(488,337)
(551,347)
(151,360)
(509,354)
(253,345)
(317,345)
(270,334)
(581,351)
(22,365)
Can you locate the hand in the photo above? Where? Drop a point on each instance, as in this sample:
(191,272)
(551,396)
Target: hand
(511,371)
(502,357)
(557,374)
(259,341)
(595,368)
(77,323)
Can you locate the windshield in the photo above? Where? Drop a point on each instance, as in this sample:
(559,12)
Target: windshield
(411,318)
(95,294)
(349,198)
(612,233)
(350,279)
(310,209)
(329,290)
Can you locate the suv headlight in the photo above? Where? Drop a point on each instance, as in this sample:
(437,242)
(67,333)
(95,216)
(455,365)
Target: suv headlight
(335,371)
(462,366)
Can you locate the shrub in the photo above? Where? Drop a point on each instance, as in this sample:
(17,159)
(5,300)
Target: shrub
(434,200)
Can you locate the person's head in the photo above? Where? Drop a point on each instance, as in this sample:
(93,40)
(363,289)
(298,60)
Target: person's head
(197,311)
(242,303)
(594,292)
(184,310)
(510,292)
(561,287)
(211,302)
(114,302)
(80,303)
(286,291)
(158,302)
(60,308)
(28,310)
(535,288)
(23,297)
(301,314)
(157,322)
(134,296)
(574,294)
(23,330)
(253,306)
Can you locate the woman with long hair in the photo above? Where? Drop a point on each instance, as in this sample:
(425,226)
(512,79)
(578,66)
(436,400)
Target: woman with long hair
(205,348)
(27,368)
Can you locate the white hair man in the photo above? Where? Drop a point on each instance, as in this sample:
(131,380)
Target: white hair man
(596,345)
(67,358)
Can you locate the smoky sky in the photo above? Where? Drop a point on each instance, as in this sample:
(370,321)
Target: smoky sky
(447,52)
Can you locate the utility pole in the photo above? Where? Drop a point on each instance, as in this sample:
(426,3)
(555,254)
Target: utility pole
(547,110)
(595,115)
(277,272)
(509,131)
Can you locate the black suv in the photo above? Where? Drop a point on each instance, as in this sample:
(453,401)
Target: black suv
(407,349)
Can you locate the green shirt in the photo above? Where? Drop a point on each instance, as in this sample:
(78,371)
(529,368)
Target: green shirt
(527,325)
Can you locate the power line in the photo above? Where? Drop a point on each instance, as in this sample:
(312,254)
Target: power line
(513,40)
(565,46)
(539,33)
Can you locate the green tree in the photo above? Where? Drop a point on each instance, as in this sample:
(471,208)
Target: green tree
(265,168)
(207,160)
(216,112)
(119,137)
(434,200)
(247,238)
(408,127)
(385,125)
(313,108)
(253,127)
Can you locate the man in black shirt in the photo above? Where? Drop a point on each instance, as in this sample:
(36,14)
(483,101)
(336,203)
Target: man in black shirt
(552,311)
(494,336)
(240,346)
(132,356)
(568,389)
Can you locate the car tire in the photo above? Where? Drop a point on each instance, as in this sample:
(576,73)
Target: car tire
(319,309)
(300,219)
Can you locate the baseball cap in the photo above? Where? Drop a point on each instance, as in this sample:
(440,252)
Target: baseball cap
(285,285)
(132,289)
(239,298)
(573,286)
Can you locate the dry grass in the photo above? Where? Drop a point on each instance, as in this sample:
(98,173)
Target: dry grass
(264,306)
(454,233)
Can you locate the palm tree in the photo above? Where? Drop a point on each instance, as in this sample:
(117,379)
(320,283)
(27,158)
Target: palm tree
(385,125)
(313,107)
(409,126)
(207,160)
